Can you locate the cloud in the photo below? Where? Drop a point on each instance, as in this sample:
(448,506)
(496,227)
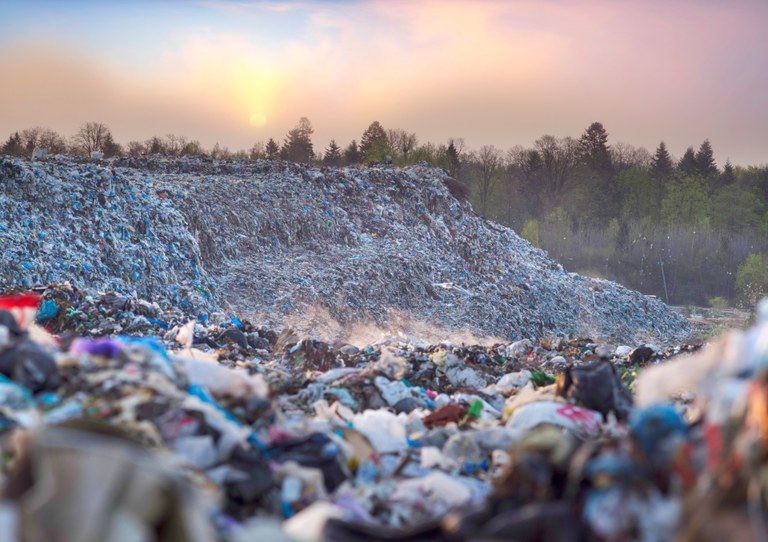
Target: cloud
(249,7)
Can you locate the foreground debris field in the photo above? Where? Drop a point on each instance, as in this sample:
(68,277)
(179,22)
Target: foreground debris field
(231,432)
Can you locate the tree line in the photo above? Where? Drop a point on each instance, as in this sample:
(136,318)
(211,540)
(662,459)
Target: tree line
(683,229)
(375,145)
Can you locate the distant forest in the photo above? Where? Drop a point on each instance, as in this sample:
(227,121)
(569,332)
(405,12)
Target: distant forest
(684,229)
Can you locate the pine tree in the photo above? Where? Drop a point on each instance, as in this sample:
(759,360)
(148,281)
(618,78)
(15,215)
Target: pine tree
(256,152)
(272,150)
(298,143)
(705,160)
(453,158)
(661,165)
(594,148)
(660,171)
(110,147)
(13,146)
(594,154)
(352,154)
(29,140)
(374,142)
(332,154)
(687,164)
(728,176)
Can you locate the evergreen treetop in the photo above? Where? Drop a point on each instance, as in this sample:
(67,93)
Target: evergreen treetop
(661,164)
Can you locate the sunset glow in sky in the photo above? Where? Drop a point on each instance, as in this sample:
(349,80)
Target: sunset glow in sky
(493,72)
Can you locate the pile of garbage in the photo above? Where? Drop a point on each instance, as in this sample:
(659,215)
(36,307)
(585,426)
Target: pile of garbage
(74,221)
(131,423)
(316,249)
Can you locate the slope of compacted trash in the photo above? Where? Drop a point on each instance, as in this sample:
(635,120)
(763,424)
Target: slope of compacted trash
(99,229)
(289,244)
(123,421)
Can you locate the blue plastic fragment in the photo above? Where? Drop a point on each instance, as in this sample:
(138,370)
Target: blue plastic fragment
(158,323)
(652,425)
(412,443)
(237,322)
(48,399)
(47,311)
(202,394)
(256,441)
(287,510)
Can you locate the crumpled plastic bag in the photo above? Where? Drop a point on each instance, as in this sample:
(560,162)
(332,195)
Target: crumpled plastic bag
(596,386)
(30,365)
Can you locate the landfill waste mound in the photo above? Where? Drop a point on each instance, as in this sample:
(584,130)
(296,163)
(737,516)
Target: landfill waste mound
(316,249)
(179,430)
(99,228)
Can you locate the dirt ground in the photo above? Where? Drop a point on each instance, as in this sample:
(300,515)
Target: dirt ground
(710,323)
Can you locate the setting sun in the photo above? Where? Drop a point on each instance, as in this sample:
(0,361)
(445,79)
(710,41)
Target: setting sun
(258,120)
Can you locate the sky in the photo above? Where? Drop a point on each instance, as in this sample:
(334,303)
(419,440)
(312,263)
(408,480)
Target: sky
(500,72)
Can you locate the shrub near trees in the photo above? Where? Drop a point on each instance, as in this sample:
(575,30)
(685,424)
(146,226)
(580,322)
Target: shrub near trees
(752,279)
(683,230)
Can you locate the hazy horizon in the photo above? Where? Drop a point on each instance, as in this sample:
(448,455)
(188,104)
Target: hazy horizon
(492,72)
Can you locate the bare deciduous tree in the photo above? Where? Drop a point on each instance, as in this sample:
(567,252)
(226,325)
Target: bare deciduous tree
(257,151)
(625,156)
(91,137)
(559,157)
(136,148)
(402,142)
(174,144)
(489,162)
(43,138)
